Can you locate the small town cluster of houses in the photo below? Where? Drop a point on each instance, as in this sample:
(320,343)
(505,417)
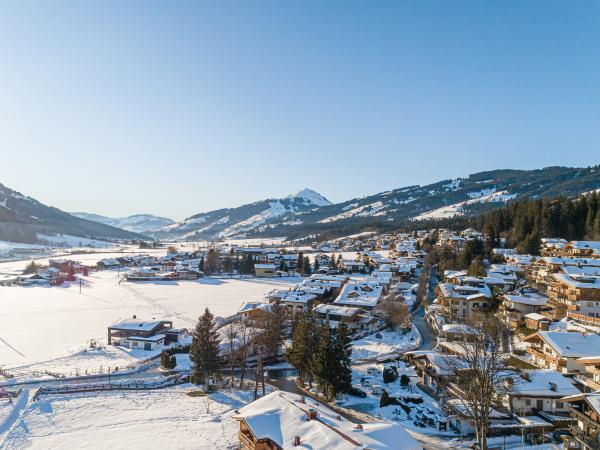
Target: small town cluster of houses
(551,302)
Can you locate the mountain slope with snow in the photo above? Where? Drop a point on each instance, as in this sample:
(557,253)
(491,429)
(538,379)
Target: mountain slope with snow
(238,221)
(137,223)
(22,218)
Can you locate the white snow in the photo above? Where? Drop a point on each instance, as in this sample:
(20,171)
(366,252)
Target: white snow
(391,344)
(166,418)
(47,322)
(362,211)
(457,209)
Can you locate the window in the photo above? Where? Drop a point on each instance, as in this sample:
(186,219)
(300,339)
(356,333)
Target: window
(528,402)
(559,405)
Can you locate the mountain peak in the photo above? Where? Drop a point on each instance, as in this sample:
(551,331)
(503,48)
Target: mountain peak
(311,196)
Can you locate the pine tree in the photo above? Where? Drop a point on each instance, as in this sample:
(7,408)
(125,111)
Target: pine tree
(305,266)
(340,262)
(343,349)
(300,353)
(325,364)
(204,351)
(316,266)
(331,265)
(299,262)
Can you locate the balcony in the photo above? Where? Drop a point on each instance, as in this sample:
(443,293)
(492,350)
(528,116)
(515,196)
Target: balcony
(584,438)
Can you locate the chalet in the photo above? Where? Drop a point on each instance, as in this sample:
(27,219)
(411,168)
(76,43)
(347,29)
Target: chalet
(590,377)
(536,322)
(460,302)
(515,307)
(353,266)
(364,295)
(107,263)
(551,246)
(582,249)
(560,350)
(462,420)
(585,428)
(140,334)
(533,391)
(577,295)
(294,301)
(255,312)
(265,270)
(282,420)
(355,318)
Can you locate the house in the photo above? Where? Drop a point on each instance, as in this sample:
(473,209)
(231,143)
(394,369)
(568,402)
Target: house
(585,428)
(265,270)
(590,377)
(533,391)
(355,318)
(459,302)
(574,295)
(294,301)
(364,295)
(282,420)
(141,334)
(582,249)
(353,266)
(462,420)
(435,370)
(560,350)
(515,307)
(255,312)
(536,322)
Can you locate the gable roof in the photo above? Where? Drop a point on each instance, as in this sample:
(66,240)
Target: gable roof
(280,417)
(571,344)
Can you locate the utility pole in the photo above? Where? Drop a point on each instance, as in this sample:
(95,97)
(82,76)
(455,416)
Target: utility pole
(80,285)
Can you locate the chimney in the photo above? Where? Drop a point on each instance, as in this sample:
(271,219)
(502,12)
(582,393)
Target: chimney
(134,316)
(358,426)
(553,387)
(296,441)
(525,376)
(302,399)
(311,414)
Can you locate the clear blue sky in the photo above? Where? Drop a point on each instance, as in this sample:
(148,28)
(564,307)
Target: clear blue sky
(121,107)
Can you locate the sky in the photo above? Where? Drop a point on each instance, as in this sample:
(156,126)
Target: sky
(173,108)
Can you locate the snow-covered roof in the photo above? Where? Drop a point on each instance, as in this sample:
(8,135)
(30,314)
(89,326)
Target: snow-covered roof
(345,311)
(360,294)
(542,383)
(450,290)
(264,266)
(578,281)
(572,344)
(136,324)
(526,300)
(251,306)
(536,316)
(280,417)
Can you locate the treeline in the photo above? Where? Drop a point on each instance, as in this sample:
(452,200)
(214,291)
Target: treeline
(524,223)
(320,355)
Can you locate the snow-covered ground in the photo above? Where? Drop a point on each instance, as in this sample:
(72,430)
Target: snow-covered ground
(45,323)
(389,345)
(166,418)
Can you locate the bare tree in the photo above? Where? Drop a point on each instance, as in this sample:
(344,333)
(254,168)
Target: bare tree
(244,339)
(231,334)
(395,311)
(480,372)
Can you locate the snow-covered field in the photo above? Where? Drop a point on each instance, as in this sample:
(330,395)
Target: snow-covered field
(162,419)
(45,323)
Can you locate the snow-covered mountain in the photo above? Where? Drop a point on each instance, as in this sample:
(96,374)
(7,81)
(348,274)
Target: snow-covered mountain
(138,223)
(23,218)
(238,221)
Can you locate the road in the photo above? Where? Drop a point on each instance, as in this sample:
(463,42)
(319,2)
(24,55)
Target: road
(427,334)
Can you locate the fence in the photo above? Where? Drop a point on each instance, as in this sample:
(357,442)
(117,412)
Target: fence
(137,385)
